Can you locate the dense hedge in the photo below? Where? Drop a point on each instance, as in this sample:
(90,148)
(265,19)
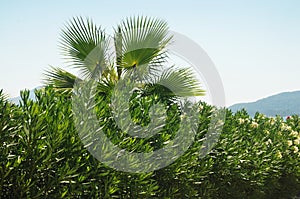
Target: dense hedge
(41,156)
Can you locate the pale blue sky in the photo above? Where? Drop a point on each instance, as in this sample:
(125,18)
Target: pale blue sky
(255,44)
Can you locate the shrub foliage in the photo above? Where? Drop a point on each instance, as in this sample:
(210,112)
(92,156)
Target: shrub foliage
(41,156)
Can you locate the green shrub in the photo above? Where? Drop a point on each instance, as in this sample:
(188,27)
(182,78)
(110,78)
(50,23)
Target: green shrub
(42,156)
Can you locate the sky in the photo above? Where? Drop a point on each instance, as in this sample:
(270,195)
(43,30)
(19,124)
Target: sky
(254,44)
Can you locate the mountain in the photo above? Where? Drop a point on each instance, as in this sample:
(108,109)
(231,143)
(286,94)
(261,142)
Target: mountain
(16,100)
(283,104)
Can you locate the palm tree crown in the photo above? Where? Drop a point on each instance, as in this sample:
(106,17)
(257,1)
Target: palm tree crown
(139,44)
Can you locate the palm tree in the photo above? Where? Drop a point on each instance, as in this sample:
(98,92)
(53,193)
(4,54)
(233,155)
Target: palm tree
(139,44)
(154,112)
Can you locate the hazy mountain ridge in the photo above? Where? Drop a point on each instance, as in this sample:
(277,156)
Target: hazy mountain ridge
(283,104)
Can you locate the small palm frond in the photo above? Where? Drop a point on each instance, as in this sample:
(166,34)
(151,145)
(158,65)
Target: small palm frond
(178,82)
(59,78)
(85,46)
(105,88)
(107,81)
(109,74)
(140,41)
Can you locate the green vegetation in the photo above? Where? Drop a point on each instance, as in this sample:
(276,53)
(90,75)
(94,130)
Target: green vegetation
(140,47)
(42,155)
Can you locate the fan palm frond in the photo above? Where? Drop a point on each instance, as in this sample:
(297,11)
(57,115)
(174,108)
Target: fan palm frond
(105,88)
(178,82)
(85,46)
(140,41)
(59,78)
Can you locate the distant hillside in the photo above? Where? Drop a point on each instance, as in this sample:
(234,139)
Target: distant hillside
(283,104)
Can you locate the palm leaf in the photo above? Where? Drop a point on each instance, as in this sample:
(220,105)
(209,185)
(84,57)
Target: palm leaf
(107,81)
(141,41)
(59,78)
(105,88)
(85,46)
(177,82)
